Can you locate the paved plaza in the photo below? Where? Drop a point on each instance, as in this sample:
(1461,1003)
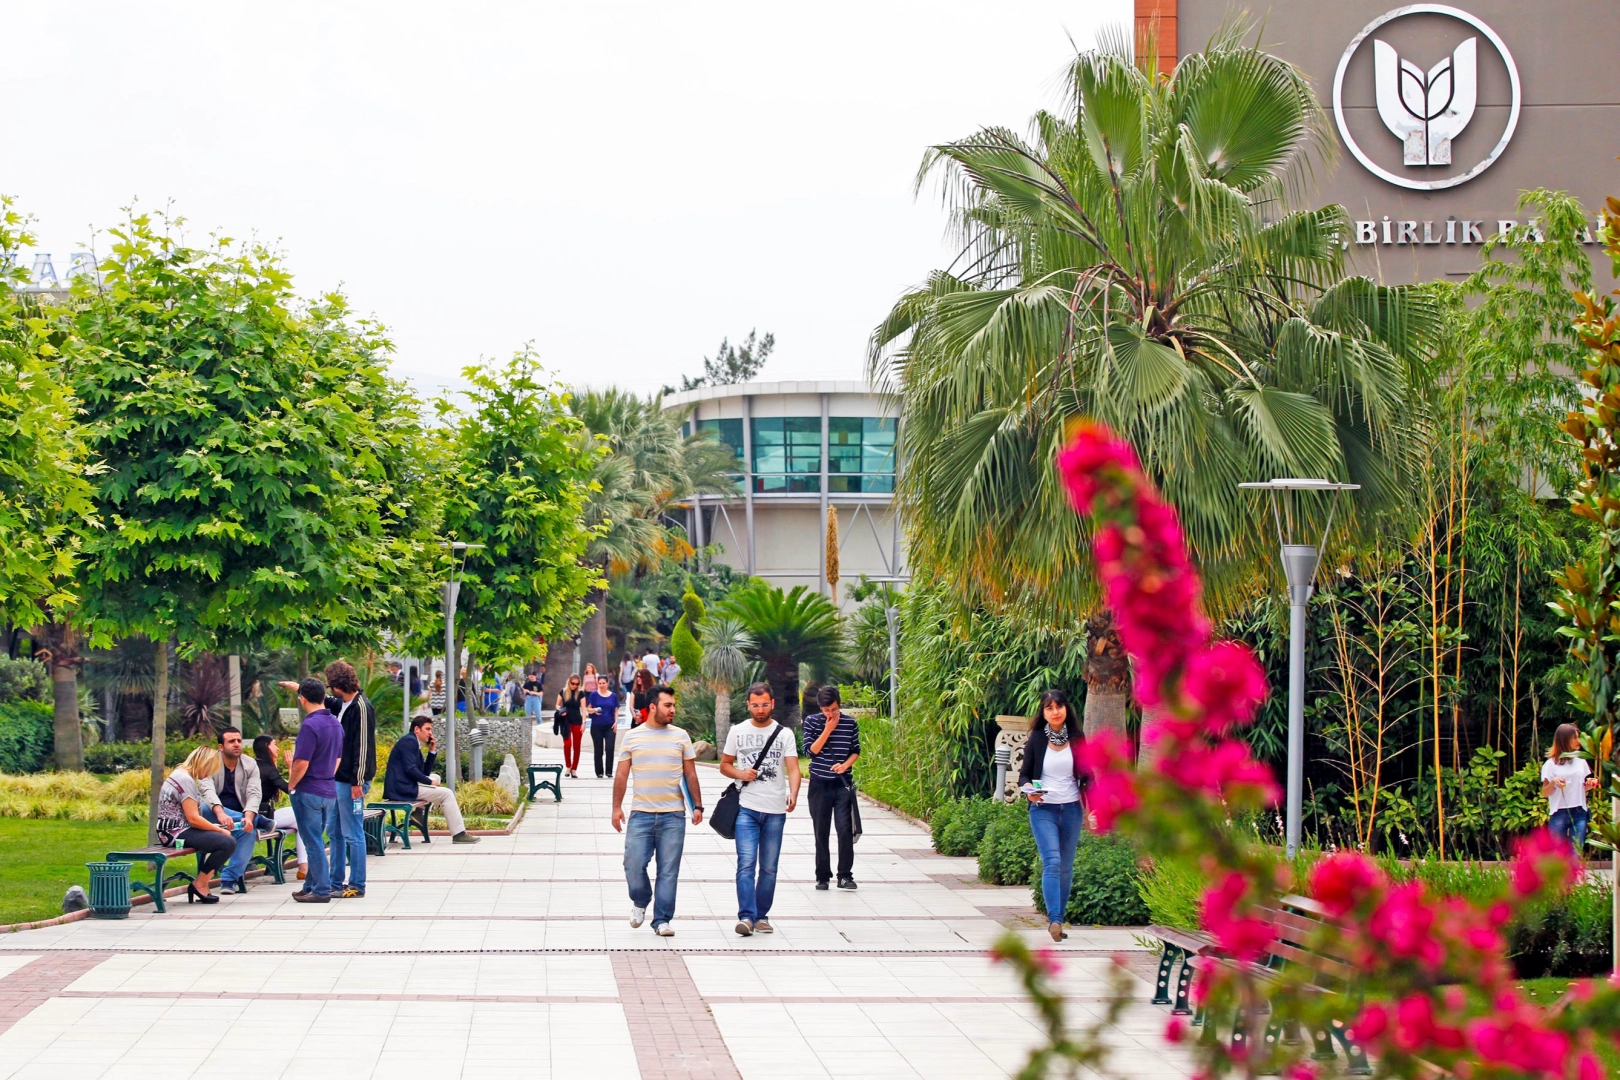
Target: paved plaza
(517,955)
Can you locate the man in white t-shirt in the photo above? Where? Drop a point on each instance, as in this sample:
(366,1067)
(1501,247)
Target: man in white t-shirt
(650,662)
(769,792)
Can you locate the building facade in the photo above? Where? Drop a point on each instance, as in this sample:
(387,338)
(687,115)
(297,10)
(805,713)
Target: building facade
(803,448)
(1441,114)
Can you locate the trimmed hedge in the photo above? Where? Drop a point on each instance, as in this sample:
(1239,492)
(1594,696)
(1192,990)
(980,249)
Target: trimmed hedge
(958,825)
(120,757)
(1007,853)
(27,736)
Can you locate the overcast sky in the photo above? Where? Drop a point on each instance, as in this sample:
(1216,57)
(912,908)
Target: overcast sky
(621,184)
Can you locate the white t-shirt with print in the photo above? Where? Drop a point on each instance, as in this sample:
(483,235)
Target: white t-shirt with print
(767,794)
(1573,771)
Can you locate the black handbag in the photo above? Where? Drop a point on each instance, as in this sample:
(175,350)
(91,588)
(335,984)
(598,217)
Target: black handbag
(723,819)
(854,811)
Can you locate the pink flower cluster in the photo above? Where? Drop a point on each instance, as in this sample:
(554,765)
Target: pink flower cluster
(1199,689)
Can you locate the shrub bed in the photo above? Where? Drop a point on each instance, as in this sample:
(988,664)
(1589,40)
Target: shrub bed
(74,796)
(27,736)
(958,825)
(1107,885)
(1007,853)
(120,757)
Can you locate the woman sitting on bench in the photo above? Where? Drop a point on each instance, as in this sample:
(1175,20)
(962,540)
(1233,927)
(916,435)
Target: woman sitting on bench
(180,817)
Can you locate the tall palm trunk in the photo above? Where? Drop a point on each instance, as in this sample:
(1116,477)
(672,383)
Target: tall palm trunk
(1108,678)
(722,718)
(783,675)
(593,635)
(160,720)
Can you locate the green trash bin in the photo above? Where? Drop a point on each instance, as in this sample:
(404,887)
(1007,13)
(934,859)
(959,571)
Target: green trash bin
(109,889)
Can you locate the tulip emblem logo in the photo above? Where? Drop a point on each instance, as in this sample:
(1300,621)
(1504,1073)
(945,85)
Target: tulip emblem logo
(1426,110)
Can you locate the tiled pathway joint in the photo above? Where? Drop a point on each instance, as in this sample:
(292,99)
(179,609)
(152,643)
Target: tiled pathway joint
(518,954)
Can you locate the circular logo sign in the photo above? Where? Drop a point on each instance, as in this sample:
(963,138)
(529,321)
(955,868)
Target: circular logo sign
(1417,112)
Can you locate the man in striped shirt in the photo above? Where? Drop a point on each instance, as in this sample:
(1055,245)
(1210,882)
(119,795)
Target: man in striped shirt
(657,756)
(833,742)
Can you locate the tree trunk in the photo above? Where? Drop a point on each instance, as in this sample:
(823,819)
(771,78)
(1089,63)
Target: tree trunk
(160,717)
(303,664)
(593,635)
(109,716)
(784,680)
(1108,678)
(722,719)
(560,663)
(65,694)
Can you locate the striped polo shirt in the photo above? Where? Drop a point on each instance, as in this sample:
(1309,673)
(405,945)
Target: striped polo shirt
(656,755)
(841,744)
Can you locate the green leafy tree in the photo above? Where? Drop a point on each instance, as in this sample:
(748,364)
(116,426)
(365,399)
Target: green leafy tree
(732,364)
(226,489)
(523,476)
(789,629)
(1143,262)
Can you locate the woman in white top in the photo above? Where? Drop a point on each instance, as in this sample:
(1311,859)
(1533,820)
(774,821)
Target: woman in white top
(1565,780)
(1055,782)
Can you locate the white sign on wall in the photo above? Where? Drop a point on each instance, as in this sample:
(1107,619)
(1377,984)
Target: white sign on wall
(1424,103)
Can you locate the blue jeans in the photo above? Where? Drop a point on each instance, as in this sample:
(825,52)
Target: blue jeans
(349,841)
(650,834)
(1057,837)
(1571,825)
(532,704)
(759,844)
(236,869)
(316,816)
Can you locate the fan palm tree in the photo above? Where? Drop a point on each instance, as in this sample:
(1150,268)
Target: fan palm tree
(726,664)
(789,629)
(650,465)
(1143,260)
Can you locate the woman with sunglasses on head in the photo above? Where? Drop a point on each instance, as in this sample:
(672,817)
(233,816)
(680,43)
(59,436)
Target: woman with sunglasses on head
(567,718)
(1055,782)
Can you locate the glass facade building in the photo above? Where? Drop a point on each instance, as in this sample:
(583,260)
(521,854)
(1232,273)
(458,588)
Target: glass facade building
(787,452)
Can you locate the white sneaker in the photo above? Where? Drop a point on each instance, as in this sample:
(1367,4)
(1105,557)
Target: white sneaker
(663,930)
(637,914)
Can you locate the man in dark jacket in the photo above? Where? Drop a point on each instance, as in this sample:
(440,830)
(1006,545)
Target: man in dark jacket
(409,777)
(354,772)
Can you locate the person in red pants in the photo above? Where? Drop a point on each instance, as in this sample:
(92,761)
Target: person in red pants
(566,721)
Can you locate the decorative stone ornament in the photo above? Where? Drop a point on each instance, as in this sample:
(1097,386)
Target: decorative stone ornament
(1010,742)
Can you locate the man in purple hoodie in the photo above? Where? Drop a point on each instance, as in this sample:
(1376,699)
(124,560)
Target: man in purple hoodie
(314,794)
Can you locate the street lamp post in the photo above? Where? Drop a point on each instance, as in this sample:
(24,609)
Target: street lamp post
(452,669)
(1299,570)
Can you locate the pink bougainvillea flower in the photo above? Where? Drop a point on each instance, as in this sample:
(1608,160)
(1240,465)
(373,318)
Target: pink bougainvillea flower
(1242,936)
(1541,862)
(1225,683)
(1418,1029)
(1113,780)
(1369,1028)
(1404,924)
(1226,771)
(1086,462)
(1302,1070)
(1047,961)
(1345,880)
(1175,1029)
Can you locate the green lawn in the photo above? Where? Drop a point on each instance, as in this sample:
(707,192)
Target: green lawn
(40,859)
(1547,992)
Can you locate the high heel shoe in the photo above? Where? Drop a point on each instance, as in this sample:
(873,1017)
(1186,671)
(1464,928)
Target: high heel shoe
(193,896)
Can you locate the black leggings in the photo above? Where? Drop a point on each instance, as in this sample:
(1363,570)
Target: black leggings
(602,748)
(214,849)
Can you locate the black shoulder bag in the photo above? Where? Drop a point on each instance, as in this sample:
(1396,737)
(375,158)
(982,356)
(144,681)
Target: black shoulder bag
(724,818)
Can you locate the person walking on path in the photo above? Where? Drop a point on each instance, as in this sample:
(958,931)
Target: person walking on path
(602,706)
(769,792)
(314,791)
(641,697)
(660,757)
(651,663)
(627,671)
(833,742)
(1565,780)
(409,778)
(534,694)
(1055,782)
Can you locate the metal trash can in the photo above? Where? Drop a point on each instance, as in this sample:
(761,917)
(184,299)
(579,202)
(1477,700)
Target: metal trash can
(109,889)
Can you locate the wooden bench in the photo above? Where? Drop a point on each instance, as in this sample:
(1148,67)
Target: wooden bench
(399,828)
(158,858)
(1297,921)
(273,859)
(1180,947)
(554,784)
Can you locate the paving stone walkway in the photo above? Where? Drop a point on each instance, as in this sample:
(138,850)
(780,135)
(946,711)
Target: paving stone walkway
(517,955)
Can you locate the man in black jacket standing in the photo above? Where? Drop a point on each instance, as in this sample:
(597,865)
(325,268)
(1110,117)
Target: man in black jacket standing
(354,772)
(409,778)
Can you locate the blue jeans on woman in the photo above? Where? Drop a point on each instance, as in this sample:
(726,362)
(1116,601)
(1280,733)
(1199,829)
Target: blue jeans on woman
(1570,824)
(1057,838)
(759,848)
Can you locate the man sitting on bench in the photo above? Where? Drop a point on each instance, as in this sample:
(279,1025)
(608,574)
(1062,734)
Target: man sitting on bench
(408,779)
(236,792)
